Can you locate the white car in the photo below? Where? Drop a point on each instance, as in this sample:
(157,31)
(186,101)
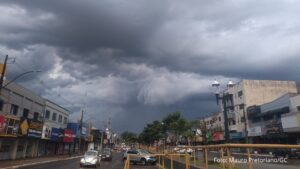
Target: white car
(91,158)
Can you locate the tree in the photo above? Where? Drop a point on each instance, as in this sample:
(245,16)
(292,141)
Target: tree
(151,133)
(129,137)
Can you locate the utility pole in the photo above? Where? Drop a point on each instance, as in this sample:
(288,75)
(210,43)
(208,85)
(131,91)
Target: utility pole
(80,130)
(3,73)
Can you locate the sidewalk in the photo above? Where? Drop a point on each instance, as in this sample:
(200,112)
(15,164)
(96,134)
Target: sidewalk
(7,164)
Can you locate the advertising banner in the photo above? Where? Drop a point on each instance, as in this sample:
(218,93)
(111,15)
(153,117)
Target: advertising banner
(54,134)
(46,134)
(9,126)
(24,126)
(35,129)
(255,131)
(217,136)
(2,124)
(68,136)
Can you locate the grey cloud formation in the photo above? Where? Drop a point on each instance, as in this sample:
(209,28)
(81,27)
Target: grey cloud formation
(137,60)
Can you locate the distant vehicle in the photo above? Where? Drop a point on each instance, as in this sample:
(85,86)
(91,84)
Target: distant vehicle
(140,156)
(106,154)
(91,158)
(287,153)
(181,150)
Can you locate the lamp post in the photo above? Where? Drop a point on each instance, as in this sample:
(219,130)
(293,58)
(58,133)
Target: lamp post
(224,97)
(20,75)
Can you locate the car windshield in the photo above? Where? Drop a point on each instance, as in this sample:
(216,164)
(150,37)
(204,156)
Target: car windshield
(144,152)
(90,153)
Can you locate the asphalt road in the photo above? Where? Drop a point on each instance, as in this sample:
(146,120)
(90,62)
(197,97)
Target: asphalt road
(116,163)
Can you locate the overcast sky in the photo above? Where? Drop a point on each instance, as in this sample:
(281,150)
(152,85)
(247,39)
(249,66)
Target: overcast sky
(136,60)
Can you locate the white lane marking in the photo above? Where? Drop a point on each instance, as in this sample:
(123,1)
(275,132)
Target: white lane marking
(42,162)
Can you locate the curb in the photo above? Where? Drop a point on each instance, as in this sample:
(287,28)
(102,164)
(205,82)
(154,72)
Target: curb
(42,162)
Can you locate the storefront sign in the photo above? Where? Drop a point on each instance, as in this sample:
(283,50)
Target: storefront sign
(68,136)
(2,124)
(54,134)
(35,129)
(24,126)
(46,134)
(237,135)
(217,136)
(255,131)
(274,128)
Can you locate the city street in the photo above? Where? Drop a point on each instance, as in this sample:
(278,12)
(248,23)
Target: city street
(116,163)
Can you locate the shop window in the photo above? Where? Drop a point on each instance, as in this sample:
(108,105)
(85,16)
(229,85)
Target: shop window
(4,148)
(25,113)
(20,148)
(14,109)
(47,115)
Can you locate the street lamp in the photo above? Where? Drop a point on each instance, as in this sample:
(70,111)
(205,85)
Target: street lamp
(223,97)
(20,75)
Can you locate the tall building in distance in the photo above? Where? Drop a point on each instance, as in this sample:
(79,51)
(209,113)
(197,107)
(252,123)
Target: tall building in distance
(248,93)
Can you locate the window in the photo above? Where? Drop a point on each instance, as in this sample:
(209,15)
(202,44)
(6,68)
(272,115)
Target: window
(14,109)
(241,106)
(298,108)
(47,115)
(255,120)
(54,116)
(240,93)
(59,118)
(65,120)
(25,113)
(268,117)
(219,118)
(36,116)
(243,119)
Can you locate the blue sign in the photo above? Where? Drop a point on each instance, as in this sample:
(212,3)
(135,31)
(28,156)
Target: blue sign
(237,135)
(75,127)
(54,134)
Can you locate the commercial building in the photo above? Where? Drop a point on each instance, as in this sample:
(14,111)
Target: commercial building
(248,93)
(277,121)
(21,126)
(30,125)
(213,127)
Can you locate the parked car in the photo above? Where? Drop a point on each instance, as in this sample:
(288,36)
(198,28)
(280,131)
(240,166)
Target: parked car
(91,158)
(106,154)
(140,156)
(287,153)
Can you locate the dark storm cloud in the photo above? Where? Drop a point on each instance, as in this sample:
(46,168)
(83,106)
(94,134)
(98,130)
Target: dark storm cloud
(142,58)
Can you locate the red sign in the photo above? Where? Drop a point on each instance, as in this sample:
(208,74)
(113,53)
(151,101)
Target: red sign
(217,136)
(68,136)
(2,123)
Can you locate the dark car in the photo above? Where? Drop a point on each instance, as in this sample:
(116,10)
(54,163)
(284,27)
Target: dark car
(106,154)
(287,153)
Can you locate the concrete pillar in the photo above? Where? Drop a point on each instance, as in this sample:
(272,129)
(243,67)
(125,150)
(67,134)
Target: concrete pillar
(25,148)
(13,150)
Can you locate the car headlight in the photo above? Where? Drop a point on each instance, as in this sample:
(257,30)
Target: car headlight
(94,161)
(82,160)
